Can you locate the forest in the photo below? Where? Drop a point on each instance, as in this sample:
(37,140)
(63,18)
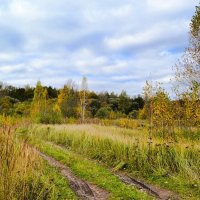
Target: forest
(20,102)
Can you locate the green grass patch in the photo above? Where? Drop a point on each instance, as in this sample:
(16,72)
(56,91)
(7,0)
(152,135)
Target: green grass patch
(57,184)
(173,166)
(92,172)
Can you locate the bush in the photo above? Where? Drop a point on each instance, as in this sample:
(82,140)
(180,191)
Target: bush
(103,113)
(49,118)
(133,114)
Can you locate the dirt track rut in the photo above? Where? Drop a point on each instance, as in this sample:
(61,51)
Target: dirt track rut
(81,188)
(152,190)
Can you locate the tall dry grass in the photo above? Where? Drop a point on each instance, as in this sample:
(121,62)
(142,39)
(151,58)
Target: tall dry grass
(20,167)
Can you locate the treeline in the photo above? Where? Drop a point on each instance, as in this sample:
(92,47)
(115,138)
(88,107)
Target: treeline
(47,102)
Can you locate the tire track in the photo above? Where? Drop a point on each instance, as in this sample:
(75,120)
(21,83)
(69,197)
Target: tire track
(81,188)
(152,190)
(158,193)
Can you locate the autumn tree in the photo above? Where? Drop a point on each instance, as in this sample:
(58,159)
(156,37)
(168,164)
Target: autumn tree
(6,105)
(68,100)
(39,100)
(162,115)
(187,74)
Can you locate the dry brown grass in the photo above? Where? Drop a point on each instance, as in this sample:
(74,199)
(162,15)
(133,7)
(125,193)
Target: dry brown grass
(17,160)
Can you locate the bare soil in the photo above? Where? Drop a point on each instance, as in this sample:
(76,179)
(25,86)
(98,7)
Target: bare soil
(158,193)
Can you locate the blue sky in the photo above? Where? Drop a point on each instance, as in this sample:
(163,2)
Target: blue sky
(116,44)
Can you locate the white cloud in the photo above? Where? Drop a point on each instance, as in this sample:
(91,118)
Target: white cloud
(168,6)
(162,32)
(8,56)
(11,68)
(123,77)
(116,44)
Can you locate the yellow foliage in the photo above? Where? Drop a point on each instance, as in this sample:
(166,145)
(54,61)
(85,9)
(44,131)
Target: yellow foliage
(56,108)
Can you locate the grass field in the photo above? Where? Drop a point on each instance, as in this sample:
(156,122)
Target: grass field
(172,165)
(94,154)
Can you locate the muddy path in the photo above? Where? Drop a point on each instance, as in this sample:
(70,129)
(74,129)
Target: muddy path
(154,191)
(158,193)
(81,188)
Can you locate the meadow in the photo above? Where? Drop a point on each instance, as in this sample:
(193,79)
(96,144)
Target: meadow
(96,154)
(169,164)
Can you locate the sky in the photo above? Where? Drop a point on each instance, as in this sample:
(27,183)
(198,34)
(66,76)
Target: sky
(117,45)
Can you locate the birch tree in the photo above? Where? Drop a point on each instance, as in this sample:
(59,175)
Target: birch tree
(148,108)
(187,74)
(83,97)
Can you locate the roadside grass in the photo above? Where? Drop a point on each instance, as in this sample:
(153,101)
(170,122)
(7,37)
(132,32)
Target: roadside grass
(92,172)
(23,175)
(176,183)
(47,183)
(59,186)
(173,166)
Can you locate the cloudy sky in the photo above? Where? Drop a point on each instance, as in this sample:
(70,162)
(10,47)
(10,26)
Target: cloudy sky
(115,44)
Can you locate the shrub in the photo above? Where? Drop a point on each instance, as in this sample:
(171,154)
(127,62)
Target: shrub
(103,112)
(49,118)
